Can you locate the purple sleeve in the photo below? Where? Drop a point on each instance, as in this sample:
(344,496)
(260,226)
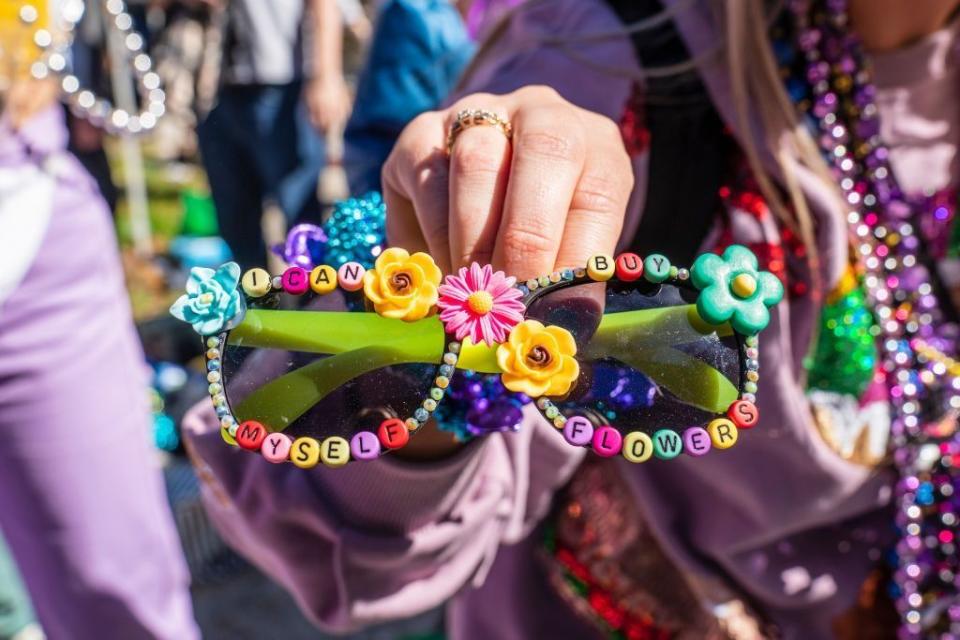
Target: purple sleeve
(81,490)
(379,540)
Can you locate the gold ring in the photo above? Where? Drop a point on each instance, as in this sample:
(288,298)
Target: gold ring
(472,117)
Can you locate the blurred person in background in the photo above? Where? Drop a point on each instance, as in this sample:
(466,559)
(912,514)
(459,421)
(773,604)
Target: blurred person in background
(419,49)
(355,19)
(281,85)
(86,140)
(82,500)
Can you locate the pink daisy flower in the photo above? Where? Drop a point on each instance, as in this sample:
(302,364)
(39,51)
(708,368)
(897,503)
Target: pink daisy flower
(480,303)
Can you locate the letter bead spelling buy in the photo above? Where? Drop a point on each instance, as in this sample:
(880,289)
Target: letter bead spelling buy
(601,268)
(629,267)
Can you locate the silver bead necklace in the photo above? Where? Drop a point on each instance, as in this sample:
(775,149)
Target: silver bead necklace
(83,102)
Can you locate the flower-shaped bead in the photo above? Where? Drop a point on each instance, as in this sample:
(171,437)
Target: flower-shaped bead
(213,302)
(538,360)
(732,288)
(480,303)
(402,286)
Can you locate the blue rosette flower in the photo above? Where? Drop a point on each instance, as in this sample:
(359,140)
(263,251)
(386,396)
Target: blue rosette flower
(733,289)
(213,302)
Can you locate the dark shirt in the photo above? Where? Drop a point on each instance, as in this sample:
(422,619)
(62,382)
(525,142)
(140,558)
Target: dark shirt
(689,150)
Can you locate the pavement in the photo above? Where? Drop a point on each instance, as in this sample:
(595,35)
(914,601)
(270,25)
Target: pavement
(233,600)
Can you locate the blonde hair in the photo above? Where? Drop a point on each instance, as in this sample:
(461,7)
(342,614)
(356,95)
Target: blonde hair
(754,80)
(21,95)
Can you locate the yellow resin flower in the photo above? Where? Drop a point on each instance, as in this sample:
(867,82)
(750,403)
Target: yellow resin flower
(538,360)
(402,286)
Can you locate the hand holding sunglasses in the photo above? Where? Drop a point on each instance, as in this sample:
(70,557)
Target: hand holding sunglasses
(628,356)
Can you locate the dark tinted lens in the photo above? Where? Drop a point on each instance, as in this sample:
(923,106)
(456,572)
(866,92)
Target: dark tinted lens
(646,360)
(319,394)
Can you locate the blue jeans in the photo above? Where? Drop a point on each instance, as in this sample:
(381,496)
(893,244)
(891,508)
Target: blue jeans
(258,145)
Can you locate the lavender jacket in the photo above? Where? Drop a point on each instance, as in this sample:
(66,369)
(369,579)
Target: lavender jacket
(387,539)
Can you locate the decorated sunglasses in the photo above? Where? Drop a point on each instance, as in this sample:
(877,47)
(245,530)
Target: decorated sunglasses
(629,356)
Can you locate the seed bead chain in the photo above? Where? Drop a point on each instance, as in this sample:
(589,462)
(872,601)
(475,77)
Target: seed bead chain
(393,433)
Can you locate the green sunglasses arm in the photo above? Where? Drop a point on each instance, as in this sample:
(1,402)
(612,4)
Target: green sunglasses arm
(650,348)
(357,344)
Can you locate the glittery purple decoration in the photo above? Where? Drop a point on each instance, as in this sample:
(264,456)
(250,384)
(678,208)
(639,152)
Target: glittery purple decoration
(621,388)
(304,246)
(490,416)
(478,404)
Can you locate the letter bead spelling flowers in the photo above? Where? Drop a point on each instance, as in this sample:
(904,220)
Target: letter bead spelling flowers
(732,288)
(213,302)
(403,286)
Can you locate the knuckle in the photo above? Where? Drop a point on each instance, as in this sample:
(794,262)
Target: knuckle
(621,171)
(432,165)
(603,128)
(606,126)
(421,127)
(471,157)
(435,226)
(521,243)
(481,255)
(554,143)
(539,93)
(414,141)
(602,192)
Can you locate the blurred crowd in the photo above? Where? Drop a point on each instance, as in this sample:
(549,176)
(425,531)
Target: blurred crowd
(273,110)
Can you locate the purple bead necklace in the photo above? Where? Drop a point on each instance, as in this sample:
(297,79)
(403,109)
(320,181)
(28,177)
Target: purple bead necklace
(887,237)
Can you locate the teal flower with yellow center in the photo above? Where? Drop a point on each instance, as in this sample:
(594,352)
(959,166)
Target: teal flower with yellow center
(733,289)
(213,302)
